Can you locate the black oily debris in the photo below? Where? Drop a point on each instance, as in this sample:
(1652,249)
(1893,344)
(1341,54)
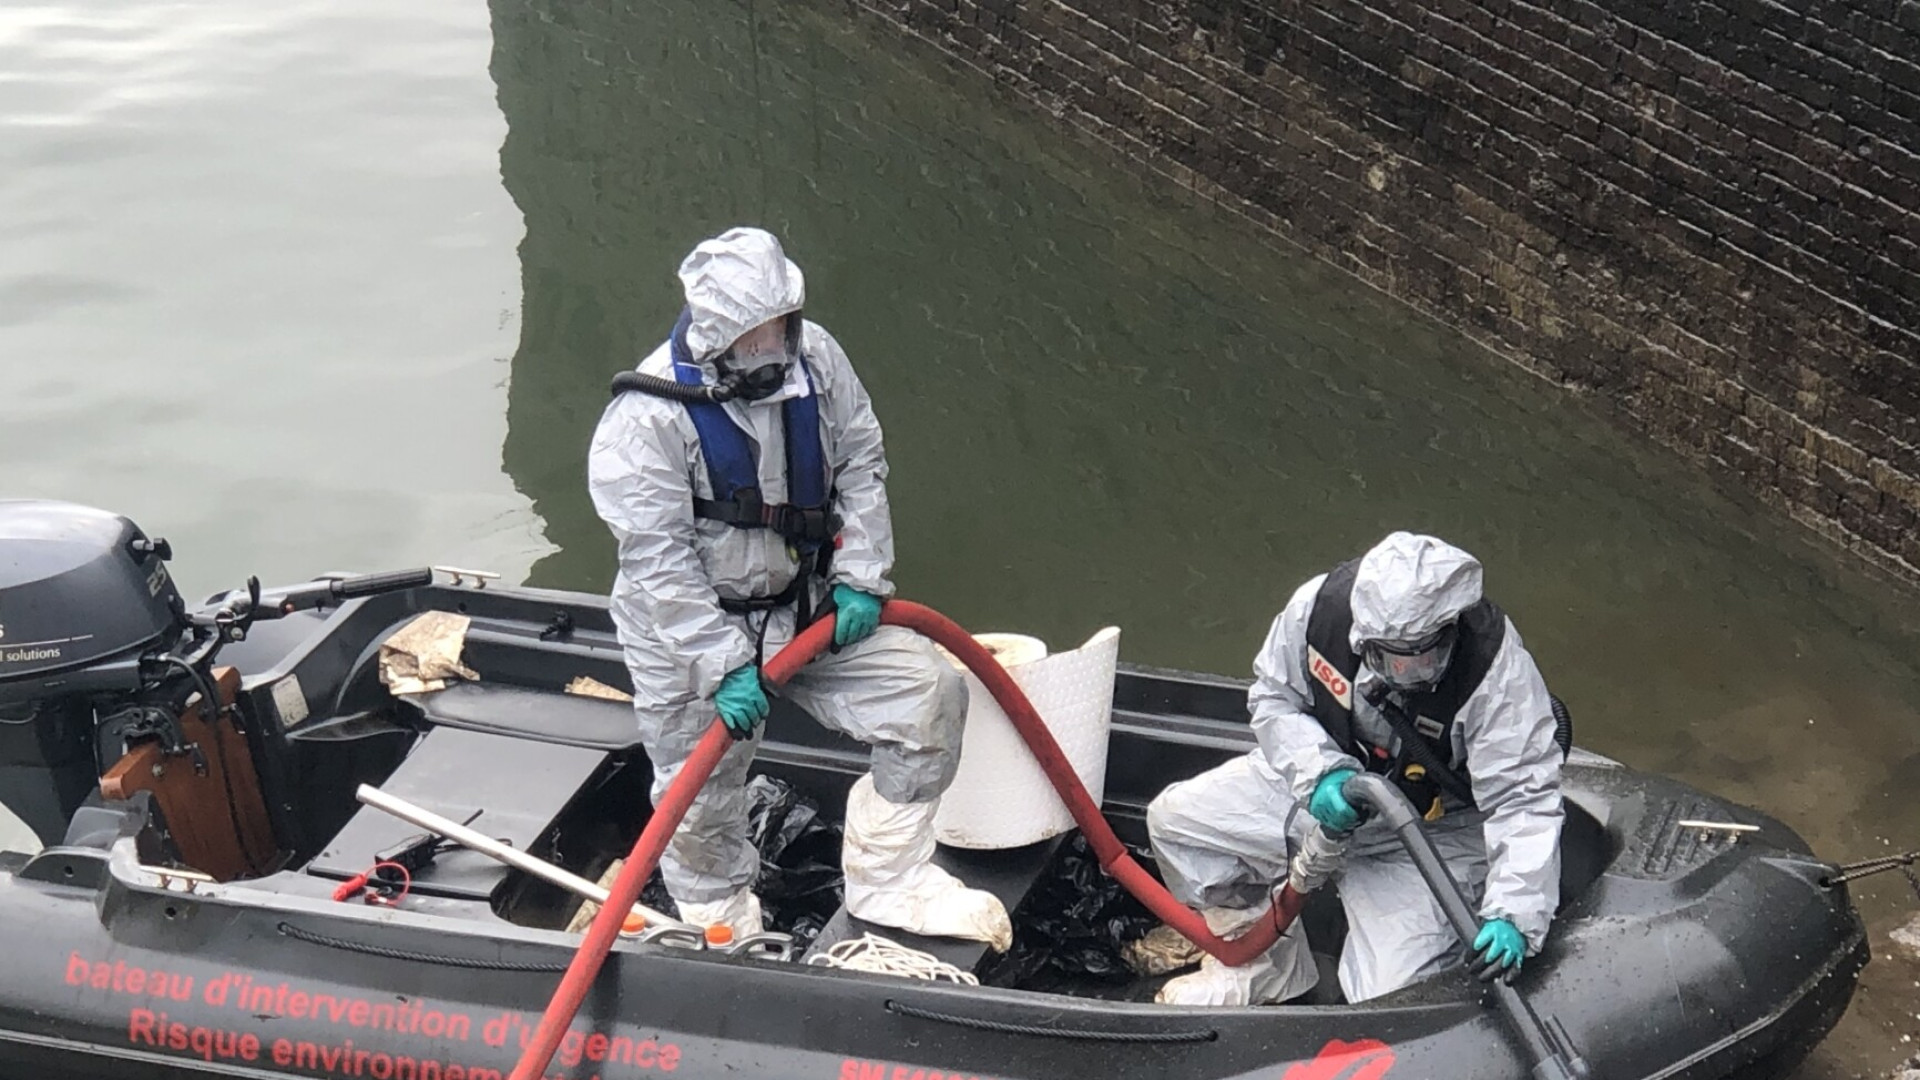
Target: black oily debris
(1074,927)
(799,884)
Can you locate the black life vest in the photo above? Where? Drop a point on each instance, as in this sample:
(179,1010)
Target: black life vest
(1335,669)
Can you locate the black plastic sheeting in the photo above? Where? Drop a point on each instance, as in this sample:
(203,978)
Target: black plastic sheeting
(1068,936)
(1073,927)
(800,878)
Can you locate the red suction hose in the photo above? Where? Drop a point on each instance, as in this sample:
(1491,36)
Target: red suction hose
(1113,855)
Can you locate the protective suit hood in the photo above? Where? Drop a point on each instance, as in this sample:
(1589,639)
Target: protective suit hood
(733,283)
(1409,585)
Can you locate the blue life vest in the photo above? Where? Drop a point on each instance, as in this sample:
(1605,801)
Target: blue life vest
(805,519)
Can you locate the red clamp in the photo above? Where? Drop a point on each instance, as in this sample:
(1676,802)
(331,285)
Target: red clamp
(383,893)
(351,888)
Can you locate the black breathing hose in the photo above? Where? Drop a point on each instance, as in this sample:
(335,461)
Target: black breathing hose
(1417,747)
(1549,1049)
(1443,774)
(685,393)
(1562,725)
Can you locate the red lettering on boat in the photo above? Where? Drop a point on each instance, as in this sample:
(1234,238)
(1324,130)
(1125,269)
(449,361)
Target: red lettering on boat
(123,979)
(857,1069)
(1363,1059)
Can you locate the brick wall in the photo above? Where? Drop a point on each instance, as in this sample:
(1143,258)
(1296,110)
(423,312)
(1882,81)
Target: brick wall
(1706,213)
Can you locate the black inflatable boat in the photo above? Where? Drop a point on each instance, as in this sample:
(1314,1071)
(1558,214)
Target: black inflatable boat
(182,917)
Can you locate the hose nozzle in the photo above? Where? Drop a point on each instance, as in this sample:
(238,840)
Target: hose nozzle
(1319,858)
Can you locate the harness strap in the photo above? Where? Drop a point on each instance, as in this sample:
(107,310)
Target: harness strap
(745,510)
(1420,751)
(752,604)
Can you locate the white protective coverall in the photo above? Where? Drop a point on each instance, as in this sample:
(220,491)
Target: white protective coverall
(890,690)
(1222,839)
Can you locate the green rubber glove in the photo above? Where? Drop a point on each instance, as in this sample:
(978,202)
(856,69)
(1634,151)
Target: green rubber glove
(741,702)
(1498,949)
(1329,807)
(858,614)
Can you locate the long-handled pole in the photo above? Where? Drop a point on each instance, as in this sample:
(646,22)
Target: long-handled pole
(1548,1046)
(499,852)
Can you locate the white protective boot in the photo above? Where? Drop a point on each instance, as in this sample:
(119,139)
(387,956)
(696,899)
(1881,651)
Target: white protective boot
(891,882)
(739,913)
(1281,973)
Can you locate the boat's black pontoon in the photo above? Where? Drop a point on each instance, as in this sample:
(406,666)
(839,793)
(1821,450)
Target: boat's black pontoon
(182,914)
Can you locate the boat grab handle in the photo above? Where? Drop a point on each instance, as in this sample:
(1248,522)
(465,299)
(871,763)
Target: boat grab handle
(779,944)
(668,933)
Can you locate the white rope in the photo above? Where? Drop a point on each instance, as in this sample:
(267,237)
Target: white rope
(871,952)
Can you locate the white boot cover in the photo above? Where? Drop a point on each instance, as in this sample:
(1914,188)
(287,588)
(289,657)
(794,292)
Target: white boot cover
(1281,973)
(891,882)
(739,913)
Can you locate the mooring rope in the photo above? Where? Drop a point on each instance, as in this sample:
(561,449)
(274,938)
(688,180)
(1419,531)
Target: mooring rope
(1902,862)
(1002,1027)
(871,952)
(312,938)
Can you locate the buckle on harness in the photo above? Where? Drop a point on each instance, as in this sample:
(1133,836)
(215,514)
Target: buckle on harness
(747,509)
(798,523)
(748,506)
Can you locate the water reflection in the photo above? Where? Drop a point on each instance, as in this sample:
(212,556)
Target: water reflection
(256,281)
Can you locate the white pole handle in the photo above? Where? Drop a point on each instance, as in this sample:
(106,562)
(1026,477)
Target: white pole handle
(494,849)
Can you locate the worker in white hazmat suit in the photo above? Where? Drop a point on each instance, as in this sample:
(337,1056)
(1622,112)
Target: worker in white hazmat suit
(743,476)
(1396,664)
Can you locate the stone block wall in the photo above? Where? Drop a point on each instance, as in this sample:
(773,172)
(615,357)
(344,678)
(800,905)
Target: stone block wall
(1706,213)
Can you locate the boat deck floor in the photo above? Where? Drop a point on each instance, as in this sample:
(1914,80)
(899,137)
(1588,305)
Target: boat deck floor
(1009,875)
(516,787)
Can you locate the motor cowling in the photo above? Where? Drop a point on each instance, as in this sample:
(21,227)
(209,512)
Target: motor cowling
(77,586)
(84,596)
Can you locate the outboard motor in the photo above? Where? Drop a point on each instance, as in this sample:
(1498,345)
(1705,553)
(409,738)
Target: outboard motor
(86,605)
(108,685)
